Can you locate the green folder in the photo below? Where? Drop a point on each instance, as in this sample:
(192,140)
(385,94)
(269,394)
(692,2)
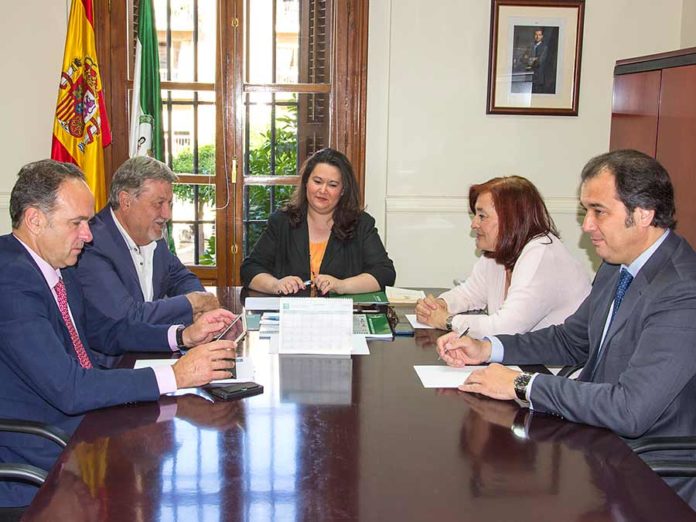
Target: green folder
(367,298)
(372,326)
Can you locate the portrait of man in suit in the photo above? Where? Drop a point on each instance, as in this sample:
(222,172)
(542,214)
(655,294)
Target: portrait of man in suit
(535,59)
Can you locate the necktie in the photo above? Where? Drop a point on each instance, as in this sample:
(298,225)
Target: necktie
(63,307)
(625,279)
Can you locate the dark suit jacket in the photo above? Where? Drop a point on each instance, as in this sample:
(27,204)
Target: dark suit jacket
(110,281)
(284,251)
(40,375)
(644,384)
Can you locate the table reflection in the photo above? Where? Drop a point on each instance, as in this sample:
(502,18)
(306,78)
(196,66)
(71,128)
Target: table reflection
(307,379)
(505,441)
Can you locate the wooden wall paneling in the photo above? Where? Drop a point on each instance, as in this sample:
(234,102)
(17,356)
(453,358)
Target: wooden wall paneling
(634,112)
(350,83)
(675,142)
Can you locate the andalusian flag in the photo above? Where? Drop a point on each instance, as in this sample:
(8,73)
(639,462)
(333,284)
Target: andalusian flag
(146,137)
(81,128)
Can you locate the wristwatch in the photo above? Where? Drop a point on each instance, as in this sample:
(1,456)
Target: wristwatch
(521,382)
(448,323)
(180,337)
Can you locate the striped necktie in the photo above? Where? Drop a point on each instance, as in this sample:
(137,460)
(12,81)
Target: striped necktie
(76,341)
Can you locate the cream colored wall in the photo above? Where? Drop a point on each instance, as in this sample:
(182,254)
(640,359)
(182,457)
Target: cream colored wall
(34,36)
(429,137)
(688,27)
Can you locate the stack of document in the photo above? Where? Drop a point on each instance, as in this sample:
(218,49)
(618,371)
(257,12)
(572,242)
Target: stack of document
(403,295)
(269,325)
(372,326)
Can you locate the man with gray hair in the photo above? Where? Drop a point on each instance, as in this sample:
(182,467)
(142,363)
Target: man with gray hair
(128,270)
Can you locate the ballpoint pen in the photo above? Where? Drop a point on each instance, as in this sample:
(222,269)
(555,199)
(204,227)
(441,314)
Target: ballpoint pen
(466,331)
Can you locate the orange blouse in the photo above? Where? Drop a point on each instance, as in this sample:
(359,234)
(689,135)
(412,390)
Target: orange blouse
(316,256)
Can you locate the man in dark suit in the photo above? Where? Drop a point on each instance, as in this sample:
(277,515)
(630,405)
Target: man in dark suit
(538,63)
(636,331)
(47,369)
(128,269)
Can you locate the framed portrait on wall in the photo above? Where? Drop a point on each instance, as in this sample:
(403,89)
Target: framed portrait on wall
(534,57)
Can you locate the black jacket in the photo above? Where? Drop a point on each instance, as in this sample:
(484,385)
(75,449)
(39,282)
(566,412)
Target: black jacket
(283,251)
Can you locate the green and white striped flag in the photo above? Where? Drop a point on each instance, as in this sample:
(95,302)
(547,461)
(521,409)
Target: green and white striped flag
(146,137)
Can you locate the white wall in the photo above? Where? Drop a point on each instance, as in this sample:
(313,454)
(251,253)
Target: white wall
(34,36)
(688,27)
(429,137)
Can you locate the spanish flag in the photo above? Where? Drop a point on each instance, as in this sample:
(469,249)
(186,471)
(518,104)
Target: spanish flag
(81,128)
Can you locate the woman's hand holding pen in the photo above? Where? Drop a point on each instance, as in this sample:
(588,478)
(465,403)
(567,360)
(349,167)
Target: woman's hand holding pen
(460,351)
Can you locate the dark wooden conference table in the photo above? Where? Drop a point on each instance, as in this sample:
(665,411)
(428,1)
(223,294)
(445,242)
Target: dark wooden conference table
(352,438)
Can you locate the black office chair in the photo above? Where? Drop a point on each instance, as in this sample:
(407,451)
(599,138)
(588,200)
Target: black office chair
(21,472)
(667,468)
(567,371)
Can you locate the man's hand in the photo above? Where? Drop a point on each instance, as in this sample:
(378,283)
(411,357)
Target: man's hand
(326,283)
(206,326)
(288,285)
(205,363)
(202,302)
(462,351)
(495,381)
(432,311)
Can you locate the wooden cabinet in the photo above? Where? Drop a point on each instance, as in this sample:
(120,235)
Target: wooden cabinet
(654,111)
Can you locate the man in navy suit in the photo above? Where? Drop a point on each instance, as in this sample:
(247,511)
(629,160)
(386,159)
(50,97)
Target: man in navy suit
(127,268)
(47,369)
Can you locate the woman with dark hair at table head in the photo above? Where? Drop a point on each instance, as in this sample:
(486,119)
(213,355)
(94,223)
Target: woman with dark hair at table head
(321,237)
(525,280)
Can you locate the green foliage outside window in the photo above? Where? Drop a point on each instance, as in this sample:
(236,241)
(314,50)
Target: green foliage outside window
(259,197)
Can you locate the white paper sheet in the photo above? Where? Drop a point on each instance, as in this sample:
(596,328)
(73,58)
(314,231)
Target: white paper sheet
(445,376)
(403,295)
(312,325)
(414,322)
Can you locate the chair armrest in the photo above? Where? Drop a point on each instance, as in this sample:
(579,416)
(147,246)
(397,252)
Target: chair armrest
(662,444)
(23,472)
(567,371)
(35,428)
(672,468)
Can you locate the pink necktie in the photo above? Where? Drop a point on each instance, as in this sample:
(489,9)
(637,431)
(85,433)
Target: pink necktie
(77,343)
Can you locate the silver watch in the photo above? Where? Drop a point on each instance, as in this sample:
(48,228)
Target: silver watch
(448,323)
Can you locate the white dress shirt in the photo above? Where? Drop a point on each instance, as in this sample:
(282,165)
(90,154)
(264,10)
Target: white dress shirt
(142,256)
